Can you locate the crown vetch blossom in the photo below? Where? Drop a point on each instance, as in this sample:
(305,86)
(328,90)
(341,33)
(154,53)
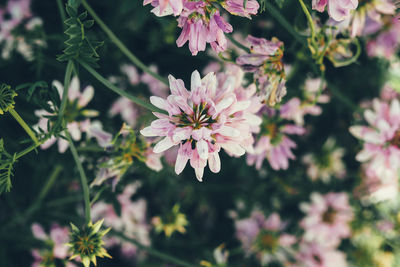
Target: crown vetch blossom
(312,254)
(327,220)
(213,115)
(264,237)
(241,8)
(265,61)
(274,143)
(337,9)
(381,149)
(76,116)
(165,7)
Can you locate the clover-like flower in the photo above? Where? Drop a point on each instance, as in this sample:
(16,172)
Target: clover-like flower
(87,243)
(6,98)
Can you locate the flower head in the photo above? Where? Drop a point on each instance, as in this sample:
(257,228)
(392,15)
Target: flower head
(174,221)
(312,254)
(6,98)
(381,139)
(337,9)
(327,220)
(87,243)
(265,61)
(241,8)
(264,237)
(215,114)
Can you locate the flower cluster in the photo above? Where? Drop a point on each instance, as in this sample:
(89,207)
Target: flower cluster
(265,61)
(264,237)
(55,248)
(217,113)
(131,220)
(16,20)
(337,9)
(201,21)
(76,116)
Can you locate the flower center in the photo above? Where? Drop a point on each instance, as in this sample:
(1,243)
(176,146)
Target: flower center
(329,216)
(267,241)
(85,245)
(396,139)
(198,119)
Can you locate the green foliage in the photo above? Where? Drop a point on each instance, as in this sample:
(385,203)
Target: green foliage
(78,44)
(6,168)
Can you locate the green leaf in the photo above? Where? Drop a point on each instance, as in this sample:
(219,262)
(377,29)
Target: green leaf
(71,11)
(82,16)
(88,23)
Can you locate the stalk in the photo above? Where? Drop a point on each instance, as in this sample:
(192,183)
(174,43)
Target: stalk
(24,125)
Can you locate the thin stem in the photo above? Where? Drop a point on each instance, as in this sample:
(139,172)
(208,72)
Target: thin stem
(119,91)
(120,45)
(82,175)
(64,99)
(57,170)
(24,125)
(282,20)
(309,18)
(238,44)
(153,252)
(62,12)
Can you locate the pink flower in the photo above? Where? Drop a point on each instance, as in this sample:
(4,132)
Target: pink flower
(165,7)
(239,8)
(132,220)
(76,103)
(264,237)
(58,238)
(213,115)
(387,42)
(131,72)
(199,30)
(337,9)
(327,219)
(314,255)
(274,143)
(127,109)
(295,110)
(381,149)
(156,87)
(265,61)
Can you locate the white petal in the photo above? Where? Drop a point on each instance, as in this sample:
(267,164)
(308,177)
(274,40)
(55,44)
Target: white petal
(158,102)
(180,163)
(202,149)
(214,162)
(148,132)
(73,92)
(199,174)
(228,131)
(86,96)
(163,145)
(195,81)
(234,149)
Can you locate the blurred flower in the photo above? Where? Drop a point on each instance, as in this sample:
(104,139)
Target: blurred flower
(241,8)
(124,148)
(76,116)
(337,9)
(131,221)
(381,148)
(265,61)
(87,243)
(213,115)
(13,16)
(314,255)
(174,221)
(327,163)
(327,220)
(156,87)
(165,7)
(274,143)
(264,237)
(55,248)
(220,256)
(387,42)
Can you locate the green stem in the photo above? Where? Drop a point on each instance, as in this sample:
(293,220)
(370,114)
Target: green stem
(282,20)
(121,92)
(120,45)
(62,11)
(238,44)
(153,252)
(64,98)
(309,19)
(82,175)
(24,125)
